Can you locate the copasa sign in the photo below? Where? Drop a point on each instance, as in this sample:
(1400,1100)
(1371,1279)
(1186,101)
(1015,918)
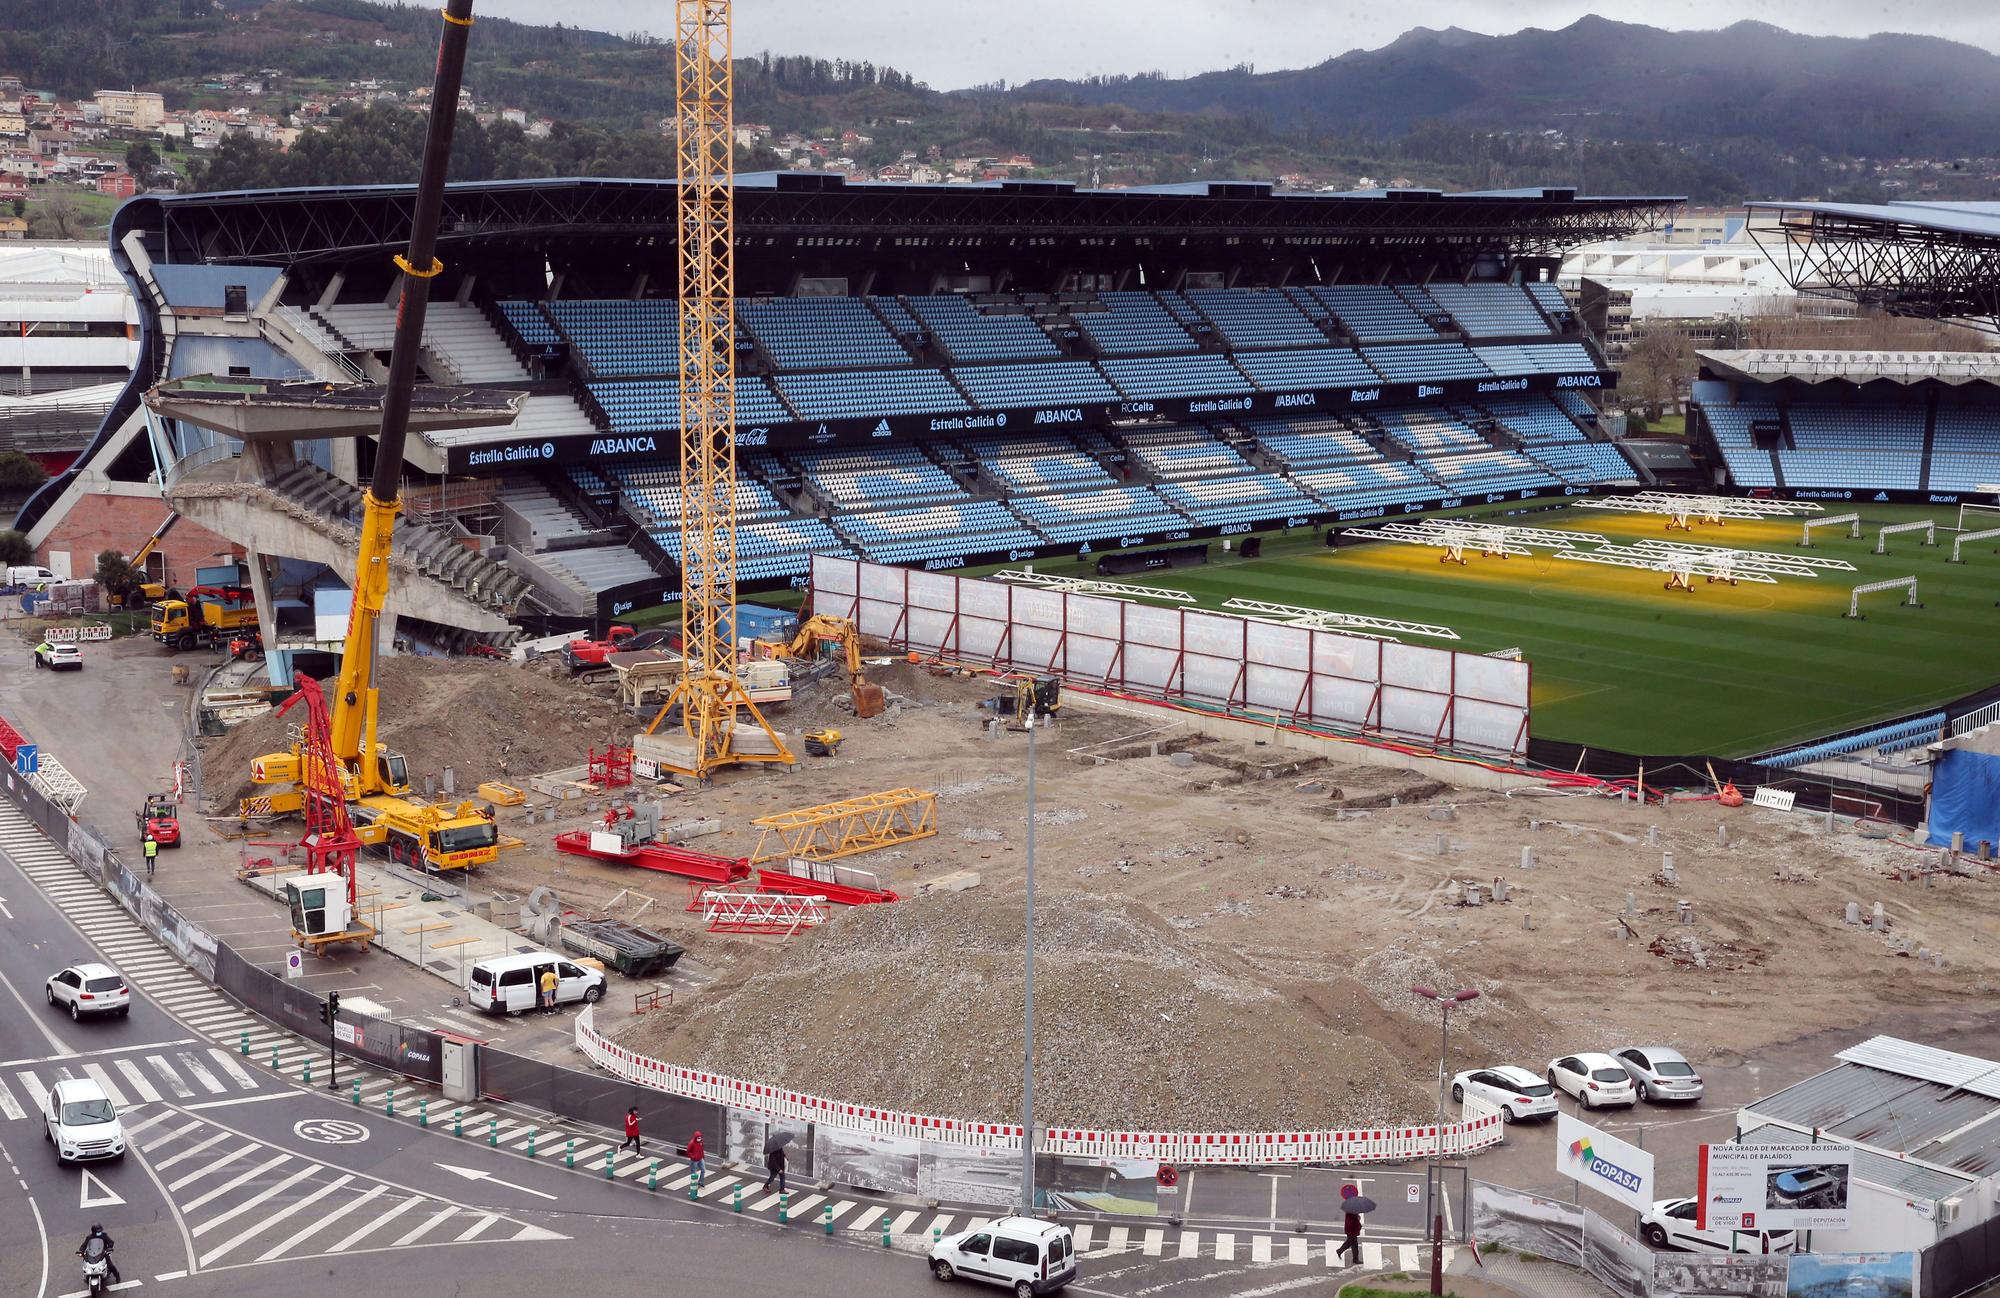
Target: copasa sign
(1604,1163)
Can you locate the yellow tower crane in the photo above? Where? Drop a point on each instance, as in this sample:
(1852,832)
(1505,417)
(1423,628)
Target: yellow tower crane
(721,724)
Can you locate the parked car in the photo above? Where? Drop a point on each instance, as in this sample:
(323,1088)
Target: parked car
(1671,1225)
(1660,1073)
(80,1120)
(1594,1079)
(510,984)
(90,989)
(1023,1254)
(59,657)
(1518,1092)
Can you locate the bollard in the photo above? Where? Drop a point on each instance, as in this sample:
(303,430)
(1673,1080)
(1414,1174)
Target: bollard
(1880,920)
(245,1046)
(937,1235)
(1652,836)
(827,1221)
(306,1071)
(1722,836)
(389,1107)
(607,1165)
(738,1205)
(569,1154)
(1441,845)
(885,1231)
(1853,913)
(694,1186)
(1527,857)
(653,1175)
(493,1131)
(357,1095)
(274,1058)
(784,1206)
(458,1122)
(531,1142)
(424,1112)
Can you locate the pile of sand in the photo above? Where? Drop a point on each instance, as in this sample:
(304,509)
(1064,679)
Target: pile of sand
(917,1005)
(486,720)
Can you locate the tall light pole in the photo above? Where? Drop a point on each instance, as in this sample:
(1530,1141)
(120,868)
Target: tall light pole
(1445,1001)
(1028,996)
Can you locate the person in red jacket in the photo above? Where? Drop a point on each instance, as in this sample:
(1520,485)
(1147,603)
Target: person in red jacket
(631,1130)
(697,1164)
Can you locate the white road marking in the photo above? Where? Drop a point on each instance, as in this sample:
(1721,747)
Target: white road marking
(230,1066)
(263,1196)
(189,1152)
(264,1224)
(477,1228)
(1225,1247)
(314,1228)
(170,1077)
(402,1206)
(136,1080)
(420,1231)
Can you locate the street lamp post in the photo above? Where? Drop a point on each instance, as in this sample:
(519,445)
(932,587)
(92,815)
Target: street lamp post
(1445,1001)
(1028,999)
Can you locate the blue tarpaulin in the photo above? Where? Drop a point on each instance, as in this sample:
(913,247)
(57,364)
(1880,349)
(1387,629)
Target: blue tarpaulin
(1965,797)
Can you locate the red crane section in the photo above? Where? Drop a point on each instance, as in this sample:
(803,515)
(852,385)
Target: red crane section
(330,842)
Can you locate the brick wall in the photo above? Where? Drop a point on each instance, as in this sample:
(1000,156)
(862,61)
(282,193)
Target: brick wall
(107,522)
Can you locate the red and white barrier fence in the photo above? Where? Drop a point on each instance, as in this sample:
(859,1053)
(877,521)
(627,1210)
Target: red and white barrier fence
(1185,1148)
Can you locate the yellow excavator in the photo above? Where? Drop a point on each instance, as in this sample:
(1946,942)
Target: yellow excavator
(824,628)
(443,835)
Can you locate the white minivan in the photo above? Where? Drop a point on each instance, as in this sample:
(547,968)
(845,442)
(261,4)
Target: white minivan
(509,984)
(1018,1253)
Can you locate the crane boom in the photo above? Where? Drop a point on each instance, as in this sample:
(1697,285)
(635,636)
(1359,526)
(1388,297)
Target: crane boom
(709,696)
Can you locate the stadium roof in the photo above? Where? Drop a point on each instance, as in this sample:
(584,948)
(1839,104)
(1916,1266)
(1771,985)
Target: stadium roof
(291,226)
(1936,260)
(1819,366)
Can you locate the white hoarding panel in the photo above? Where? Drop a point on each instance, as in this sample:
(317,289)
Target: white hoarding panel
(1212,680)
(929,629)
(1042,608)
(1035,648)
(1349,656)
(1604,1163)
(1494,680)
(1160,627)
(1091,659)
(1417,666)
(1336,701)
(835,576)
(1773,1187)
(887,584)
(1418,714)
(1280,646)
(1275,689)
(1151,670)
(1095,617)
(933,590)
(986,599)
(1477,724)
(1213,635)
(978,639)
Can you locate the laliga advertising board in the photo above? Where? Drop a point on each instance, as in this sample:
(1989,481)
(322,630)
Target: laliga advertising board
(1773,1187)
(1604,1163)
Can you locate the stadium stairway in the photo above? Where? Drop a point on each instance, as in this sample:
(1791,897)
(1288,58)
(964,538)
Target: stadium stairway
(1930,443)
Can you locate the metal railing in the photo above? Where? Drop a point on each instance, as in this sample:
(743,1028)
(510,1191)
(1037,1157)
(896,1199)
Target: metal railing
(1972,720)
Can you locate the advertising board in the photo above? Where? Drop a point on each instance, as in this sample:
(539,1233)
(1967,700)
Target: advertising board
(1604,1163)
(1773,1187)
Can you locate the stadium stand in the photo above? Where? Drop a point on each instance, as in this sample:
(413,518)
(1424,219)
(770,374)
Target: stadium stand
(1429,363)
(1486,471)
(1132,324)
(656,494)
(1550,299)
(873,477)
(897,316)
(1161,378)
(1255,318)
(1490,310)
(1748,466)
(654,405)
(1373,313)
(1184,452)
(1009,387)
(817,333)
(1578,406)
(1535,420)
(938,532)
(1070,517)
(1584,463)
(1240,498)
(1311,443)
(528,323)
(1892,738)
(1536,358)
(461,338)
(1428,429)
(872,393)
(1366,485)
(1965,448)
(965,334)
(1846,445)
(1037,464)
(1317,367)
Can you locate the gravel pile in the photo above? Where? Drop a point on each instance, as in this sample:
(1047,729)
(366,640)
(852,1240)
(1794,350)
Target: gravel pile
(917,1005)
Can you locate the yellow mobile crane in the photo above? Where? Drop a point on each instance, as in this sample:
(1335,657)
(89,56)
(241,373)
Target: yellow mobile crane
(377,782)
(709,697)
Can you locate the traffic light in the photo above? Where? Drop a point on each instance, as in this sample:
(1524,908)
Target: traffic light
(332,1006)
(325,1016)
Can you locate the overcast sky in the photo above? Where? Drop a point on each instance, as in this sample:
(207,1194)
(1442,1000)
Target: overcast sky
(956,43)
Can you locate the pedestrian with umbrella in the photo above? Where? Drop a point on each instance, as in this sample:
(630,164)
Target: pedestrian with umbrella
(1353,1206)
(774,1158)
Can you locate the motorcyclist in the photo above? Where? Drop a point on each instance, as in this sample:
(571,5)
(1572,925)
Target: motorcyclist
(97,1231)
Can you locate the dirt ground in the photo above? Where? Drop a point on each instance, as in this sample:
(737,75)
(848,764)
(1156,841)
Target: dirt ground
(1227,931)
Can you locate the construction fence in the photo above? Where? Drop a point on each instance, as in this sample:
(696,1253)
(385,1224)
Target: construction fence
(1295,674)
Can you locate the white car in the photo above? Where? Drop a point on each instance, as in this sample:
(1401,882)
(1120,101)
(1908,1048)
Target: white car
(1517,1092)
(89,989)
(80,1120)
(1660,1073)
(1595,1079)
(1671,1225)
(60,657)
(1024,1254)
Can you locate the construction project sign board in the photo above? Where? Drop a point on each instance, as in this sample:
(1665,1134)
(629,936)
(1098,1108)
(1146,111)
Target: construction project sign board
(1604,1163)
(1773,1187)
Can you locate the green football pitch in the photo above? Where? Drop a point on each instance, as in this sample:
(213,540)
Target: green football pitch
(1621,662)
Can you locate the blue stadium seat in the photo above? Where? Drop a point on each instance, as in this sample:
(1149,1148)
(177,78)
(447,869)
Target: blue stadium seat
(967,334)
(1011,387)
(1132,324)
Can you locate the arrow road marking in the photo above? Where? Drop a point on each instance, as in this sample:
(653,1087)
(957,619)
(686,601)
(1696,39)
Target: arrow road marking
(475,1174)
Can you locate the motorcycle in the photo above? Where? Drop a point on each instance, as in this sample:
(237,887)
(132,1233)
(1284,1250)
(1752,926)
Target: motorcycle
(96,1267)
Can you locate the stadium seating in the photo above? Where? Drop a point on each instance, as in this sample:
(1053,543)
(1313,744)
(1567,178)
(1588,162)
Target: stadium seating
(819,333)
(1430,363)
(1183,311)
(870,393)
(457,334)
(1183,452)
(1070,517)
(1010,387)
(1037,464)
(655,493)
(1166,377)
(1965,448)
(1490,310)
(1366,485)
(901,322)
(1536,358)
(1255,318)
(968,335)
(1854,445)
(1242,498)
(527,321)
(1311,443)
(1578,405)
(654,405)
(938,532)
(1374,313)
(878,476)
(1487,470)
(1428,429)
(1584,463)
(1132,324)
(1748,466)
(1890,738)
(1535,420)
(1550,299)
(1299,370)
(618,338)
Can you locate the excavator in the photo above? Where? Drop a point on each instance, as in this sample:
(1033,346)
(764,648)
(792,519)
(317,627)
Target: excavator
(824,628)
(374,780)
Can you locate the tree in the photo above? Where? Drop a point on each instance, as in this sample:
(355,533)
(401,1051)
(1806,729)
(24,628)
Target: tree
(141,159)
(20,207)
(18,471)
(1657,368)
(117,575)
(58,218)
(15,549)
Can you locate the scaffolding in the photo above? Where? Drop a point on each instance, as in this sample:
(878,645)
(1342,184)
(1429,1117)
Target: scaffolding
(846,828)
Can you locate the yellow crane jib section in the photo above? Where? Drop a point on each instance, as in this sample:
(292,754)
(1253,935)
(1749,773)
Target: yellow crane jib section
(845,828)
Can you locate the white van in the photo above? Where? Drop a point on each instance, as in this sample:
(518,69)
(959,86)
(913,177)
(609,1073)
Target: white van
(33,576)
(509,984)
(1018,1253)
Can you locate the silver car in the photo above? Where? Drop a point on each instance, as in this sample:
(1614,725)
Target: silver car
(1660,1073)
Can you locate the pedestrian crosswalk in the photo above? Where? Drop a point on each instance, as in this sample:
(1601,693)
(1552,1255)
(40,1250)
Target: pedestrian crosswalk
(188,1069)
(244,1201)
